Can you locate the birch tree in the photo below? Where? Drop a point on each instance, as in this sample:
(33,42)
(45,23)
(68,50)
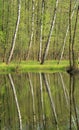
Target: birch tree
(70,42)
(64,43)
(42,13)
(2,22)
(73,40)
(50,34)
(32,30)
(15,33)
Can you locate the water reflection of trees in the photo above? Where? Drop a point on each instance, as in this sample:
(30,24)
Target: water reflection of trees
(8,114)
(50,96)
(70,100)
(51,99)
(16,101)
(73,107)
(44,99)
(33,100)
(37,123)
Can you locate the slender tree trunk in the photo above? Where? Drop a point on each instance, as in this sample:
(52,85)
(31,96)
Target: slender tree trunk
(15,33)
(7,31)
(50,34)
(28,16)
(64,43)
(3,7)
(32,34)
(42,13)
(73,40)
(70,37)
(37,31)
(3,15)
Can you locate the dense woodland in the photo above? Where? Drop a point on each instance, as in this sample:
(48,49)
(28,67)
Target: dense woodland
(38,29)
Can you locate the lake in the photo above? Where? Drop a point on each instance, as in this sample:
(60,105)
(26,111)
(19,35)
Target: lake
(39,101)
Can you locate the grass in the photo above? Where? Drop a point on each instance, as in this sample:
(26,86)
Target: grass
(34,66)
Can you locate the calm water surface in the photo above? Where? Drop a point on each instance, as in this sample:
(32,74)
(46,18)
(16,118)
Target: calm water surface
(39,101)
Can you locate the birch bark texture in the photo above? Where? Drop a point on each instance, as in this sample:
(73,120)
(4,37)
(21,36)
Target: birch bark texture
(42,14)
(15,33)
(50,33)
(32,30)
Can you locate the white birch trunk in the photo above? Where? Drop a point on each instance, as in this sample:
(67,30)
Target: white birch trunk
(32,34)
(42,13)
(15,33)
(50,34)
(66,34)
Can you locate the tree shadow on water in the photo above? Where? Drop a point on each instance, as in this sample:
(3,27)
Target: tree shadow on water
(73,107)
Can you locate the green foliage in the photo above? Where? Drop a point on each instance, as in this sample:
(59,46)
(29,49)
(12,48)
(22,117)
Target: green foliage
(2,41)
(2,90)
(8,17)
(2,37)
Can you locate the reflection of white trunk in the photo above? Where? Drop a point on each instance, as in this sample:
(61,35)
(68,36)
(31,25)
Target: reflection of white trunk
(32,91)
(66,96)
(32,33)
(73,99)
(16,100)
(42,13)
(66,35)
(15,33)
(42,102)
(50,97)
(50,34)
(64,89)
